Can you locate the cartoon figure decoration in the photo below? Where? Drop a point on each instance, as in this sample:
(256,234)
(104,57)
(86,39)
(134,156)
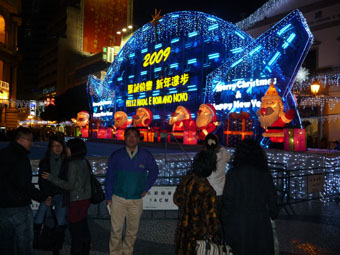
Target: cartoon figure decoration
(143,118)
(82,122)
(272,117)
(121,122)
(181,121)
(206,120)
(142,121)
(82,119)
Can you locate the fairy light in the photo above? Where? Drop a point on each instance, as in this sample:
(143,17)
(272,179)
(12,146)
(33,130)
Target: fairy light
(219,39)
(298,165)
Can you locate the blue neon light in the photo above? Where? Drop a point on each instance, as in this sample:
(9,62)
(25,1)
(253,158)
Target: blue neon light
(175,16)
(157,69)
(144,50)
(175,40)
(268,68)
(239,34)
(237,50)
(255,50)
(237,62)
(212,27)
(284,29)
(174,65)
(192,86)
(214,55)
(119,78)
(211,19)
(192,34)
(289,40)
(143,72)
(131,76)
(173,92)
(131,55)
(192,90)
(275,58)
(158,46)
(192,61)
(188,45)
(156,117)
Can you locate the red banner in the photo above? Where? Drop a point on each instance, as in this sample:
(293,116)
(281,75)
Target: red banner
(102,19)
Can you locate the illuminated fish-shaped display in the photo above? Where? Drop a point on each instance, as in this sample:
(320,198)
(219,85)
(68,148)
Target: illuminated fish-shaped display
(190,58)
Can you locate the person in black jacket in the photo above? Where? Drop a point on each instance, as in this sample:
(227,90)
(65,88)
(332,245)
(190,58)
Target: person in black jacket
(16,192)
(249,202)
(53,162)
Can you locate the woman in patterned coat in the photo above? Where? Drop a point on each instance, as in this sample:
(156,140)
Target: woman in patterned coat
(196,199)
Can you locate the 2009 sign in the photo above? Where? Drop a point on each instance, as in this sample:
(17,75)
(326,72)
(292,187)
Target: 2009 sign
(156,57)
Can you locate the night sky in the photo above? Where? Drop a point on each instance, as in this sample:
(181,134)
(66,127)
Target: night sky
(229,10)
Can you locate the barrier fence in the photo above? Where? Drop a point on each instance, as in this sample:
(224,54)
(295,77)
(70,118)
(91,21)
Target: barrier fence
(293,185)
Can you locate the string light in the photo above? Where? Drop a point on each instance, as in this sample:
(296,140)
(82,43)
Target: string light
(269,9)
(299,166)
(224,44)
(319,101)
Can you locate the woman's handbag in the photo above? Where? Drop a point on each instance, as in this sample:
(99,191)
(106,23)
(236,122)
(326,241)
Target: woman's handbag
(45,238)
(97,193)
(207,247)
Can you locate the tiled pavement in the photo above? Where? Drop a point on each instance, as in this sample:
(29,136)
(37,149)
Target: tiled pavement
(315,229)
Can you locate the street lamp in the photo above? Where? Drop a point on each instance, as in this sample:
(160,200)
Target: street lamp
(315,87)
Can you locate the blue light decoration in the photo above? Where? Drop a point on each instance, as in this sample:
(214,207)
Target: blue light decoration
(191,58)
(241,82)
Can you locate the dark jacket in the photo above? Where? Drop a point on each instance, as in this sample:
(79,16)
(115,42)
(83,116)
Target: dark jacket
(47,187)
(78,180)
(249,201)
(16,188)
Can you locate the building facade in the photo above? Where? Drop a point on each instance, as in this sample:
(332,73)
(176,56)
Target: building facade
(10,20)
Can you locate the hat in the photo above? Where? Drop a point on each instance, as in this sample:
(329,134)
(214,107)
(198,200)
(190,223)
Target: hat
(271,93)
(212,110)
(85,113)
(185,111)
(148,116)
(121,113)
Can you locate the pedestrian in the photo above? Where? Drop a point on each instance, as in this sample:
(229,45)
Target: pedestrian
(131,172)
(53,162)
(249,202)
(79,187)
(196,199)
(217,177)
(16,193)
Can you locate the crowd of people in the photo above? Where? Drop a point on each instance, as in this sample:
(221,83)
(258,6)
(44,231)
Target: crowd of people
(236,208)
